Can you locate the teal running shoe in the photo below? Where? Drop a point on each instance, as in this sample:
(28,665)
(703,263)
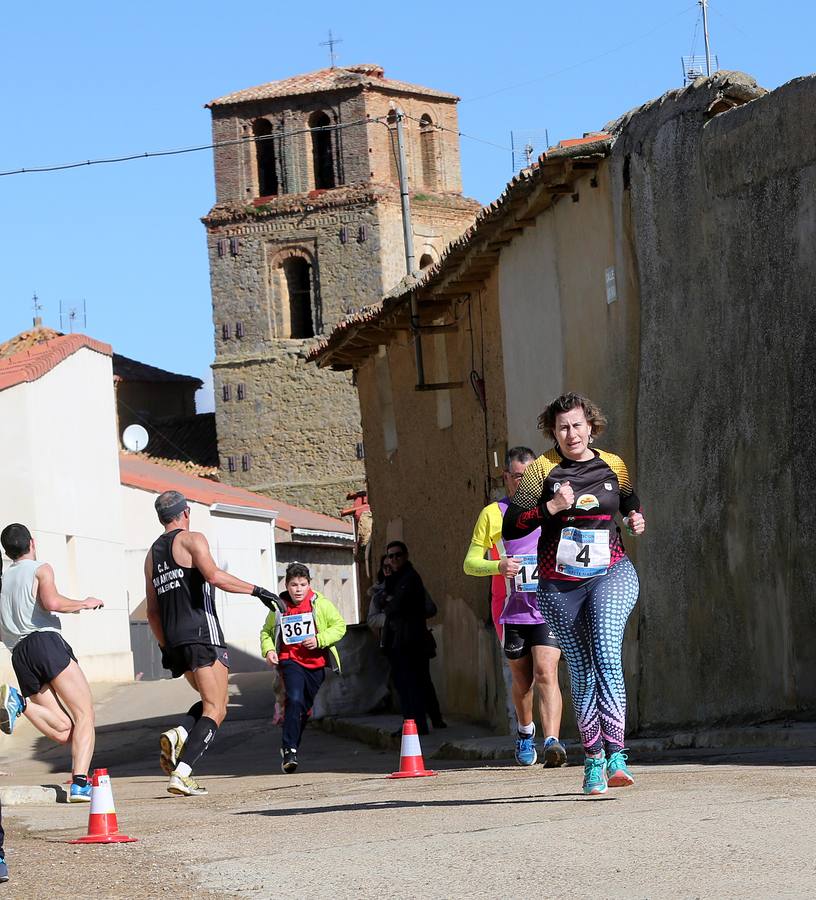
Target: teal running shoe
(80,793)
(526,754)
(11,707)
(595,775)
(617,772)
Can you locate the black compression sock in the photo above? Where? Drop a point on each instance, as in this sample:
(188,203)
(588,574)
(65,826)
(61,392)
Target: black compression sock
(81,780)
(193,714)
(199,741)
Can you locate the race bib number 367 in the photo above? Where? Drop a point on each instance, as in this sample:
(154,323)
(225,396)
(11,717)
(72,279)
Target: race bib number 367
(583,554)
(297,628)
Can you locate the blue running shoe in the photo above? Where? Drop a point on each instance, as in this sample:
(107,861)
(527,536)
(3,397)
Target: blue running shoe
(80,794)
(526,754)
(555,753)
(595,775)
(4,875)
(11,706)
(617,772)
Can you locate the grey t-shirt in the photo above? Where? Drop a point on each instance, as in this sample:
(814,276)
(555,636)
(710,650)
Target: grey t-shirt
(21,613)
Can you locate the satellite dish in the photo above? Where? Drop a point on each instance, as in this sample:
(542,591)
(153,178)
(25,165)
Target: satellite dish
(135,438)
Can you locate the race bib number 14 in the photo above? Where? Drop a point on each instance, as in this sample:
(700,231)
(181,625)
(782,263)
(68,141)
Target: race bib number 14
(583,554)
(527,579)
(297,628)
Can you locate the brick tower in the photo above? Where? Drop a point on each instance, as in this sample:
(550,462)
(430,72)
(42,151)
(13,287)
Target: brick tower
(307,226)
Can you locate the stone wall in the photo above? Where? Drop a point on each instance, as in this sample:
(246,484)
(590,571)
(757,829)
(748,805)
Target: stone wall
(724,221)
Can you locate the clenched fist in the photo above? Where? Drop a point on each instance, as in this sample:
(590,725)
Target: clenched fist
(563,499)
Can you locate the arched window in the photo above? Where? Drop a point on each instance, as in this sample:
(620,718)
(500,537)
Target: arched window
(298,277)
(265,158)
(425,260)
(322,155)
(393,152)
(427,145)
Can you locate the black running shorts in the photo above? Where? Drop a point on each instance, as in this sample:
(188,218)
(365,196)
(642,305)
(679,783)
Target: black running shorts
(518,639)
(189,657)
(38,658)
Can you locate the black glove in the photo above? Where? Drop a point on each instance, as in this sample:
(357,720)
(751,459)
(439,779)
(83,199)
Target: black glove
(164,660)
(269,600)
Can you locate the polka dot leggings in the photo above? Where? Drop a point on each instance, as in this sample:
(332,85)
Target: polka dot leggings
(588,619)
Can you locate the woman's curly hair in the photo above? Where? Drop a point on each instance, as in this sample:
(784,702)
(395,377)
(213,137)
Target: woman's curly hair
(566,402)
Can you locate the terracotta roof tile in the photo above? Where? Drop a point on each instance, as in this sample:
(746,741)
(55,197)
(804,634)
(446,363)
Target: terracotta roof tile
(335,79)
(41,358)
(139,472)
(26,340)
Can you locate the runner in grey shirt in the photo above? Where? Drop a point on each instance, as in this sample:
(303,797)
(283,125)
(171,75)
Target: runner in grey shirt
(54,694)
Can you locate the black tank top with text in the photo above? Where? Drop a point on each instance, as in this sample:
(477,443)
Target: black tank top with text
(185,599)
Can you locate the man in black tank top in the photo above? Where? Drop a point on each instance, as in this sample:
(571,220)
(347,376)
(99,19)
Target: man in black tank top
(180,576)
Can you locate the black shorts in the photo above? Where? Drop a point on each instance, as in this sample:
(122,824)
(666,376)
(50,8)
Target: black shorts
(518,639)
(189,657)
(38,658)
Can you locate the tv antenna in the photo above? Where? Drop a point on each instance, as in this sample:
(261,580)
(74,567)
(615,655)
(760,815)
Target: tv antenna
(135,438)
(527,146)
(330,44)
(71,315)
(696,66)
(35,302)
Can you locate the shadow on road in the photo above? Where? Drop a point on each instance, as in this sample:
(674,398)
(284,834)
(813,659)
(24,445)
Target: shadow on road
(375,805)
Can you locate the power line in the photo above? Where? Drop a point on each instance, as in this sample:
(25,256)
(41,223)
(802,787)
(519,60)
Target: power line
(583,62)
(470,137)
(195,149)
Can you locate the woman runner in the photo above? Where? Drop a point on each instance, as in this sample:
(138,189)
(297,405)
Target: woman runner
(587,585)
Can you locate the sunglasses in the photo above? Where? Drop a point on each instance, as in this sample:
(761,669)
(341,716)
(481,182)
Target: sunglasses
(394,555)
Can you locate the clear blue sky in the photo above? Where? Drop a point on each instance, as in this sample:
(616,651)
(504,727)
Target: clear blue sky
(88,80)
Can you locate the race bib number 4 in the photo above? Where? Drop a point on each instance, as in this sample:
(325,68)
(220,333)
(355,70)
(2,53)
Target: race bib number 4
(583,554)
(527,579)
(297,628)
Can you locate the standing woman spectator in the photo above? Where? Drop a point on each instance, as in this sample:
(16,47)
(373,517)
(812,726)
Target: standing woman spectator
(587,584)
(406,640)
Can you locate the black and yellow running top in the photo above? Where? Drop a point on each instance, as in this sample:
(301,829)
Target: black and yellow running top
(581,541)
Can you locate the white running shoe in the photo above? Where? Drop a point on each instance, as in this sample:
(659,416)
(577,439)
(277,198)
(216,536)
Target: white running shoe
(185,786)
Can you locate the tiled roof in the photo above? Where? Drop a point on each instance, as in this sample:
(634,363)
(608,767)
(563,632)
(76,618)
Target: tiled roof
(322,80)
(139,472)
(41,358)
(27,339)
(127,369)
(551,172)
(178,465)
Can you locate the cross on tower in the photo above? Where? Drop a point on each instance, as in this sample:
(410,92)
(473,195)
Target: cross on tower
(330,44)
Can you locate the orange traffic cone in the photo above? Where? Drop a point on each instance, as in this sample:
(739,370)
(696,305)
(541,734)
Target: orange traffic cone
(102,825)
(411,763)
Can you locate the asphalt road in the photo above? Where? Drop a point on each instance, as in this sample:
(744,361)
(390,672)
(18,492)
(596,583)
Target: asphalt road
(698,826)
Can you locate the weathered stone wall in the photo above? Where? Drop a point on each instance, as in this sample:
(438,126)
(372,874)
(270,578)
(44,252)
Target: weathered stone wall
(724,220)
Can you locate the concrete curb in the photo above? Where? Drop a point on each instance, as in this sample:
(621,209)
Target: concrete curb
(788,735)
(26,794)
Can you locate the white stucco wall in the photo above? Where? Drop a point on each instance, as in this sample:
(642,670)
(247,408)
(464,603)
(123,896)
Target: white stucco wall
(59,475)
(530,307)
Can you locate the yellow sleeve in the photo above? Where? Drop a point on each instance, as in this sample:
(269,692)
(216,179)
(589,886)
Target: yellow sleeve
(486,534)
